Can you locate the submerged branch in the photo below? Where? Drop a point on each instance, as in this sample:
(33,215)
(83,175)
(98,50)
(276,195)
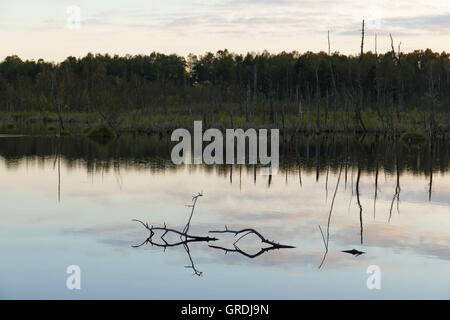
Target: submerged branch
(248,231)
(243,233)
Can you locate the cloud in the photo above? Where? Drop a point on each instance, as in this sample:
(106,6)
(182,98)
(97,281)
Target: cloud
(427,23)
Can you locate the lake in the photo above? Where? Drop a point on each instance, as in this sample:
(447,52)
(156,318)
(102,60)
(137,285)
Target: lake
(71,201)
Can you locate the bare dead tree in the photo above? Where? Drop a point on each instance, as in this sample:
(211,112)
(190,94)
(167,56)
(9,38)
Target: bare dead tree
(362,40)
(247,103)
(318,112)
(255,87)
(361,92)
(333,80)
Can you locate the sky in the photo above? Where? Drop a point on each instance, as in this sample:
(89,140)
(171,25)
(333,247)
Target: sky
(55,29)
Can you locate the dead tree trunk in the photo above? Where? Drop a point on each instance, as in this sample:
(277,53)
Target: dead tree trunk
(359,105)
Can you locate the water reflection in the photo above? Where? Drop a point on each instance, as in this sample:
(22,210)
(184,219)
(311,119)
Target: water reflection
(343,203)
(185,238)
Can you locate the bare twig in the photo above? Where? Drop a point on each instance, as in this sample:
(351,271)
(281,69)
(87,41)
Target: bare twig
(194,202)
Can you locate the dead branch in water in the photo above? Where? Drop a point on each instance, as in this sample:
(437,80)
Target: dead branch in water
(245,232)
(184,236)
(249,255)
(187,238)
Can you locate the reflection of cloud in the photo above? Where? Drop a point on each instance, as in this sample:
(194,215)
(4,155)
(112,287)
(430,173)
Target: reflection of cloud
(397,238)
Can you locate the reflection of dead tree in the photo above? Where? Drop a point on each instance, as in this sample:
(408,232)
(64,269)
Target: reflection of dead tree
(192,266)
(328,170)
(430,185)
(245,232)
(397,190)
(325,242)
(184,243)
(377,169)
(58,160)
(299,163)
(185,238)
(317,158)
(359,202)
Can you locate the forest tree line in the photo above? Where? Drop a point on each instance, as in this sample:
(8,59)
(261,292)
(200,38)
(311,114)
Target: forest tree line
(258,87)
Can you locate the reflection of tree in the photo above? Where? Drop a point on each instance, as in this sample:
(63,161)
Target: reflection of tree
(359,203)
(245,232)
(358,178)
(192,265)
(377,168)
(186,239)
(431,153)
(165,245)
(297,152)
(325,242)
(397,187)
(58,161)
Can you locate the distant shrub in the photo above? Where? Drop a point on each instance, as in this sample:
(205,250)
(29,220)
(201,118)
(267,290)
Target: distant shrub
(102,135)
(413,138)
(101,132)
(87,130)
(64,133)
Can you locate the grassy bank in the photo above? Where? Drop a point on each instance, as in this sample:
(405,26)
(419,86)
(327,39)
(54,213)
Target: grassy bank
(146,122)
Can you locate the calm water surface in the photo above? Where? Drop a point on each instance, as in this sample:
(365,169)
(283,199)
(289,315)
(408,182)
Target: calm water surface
(71,201)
